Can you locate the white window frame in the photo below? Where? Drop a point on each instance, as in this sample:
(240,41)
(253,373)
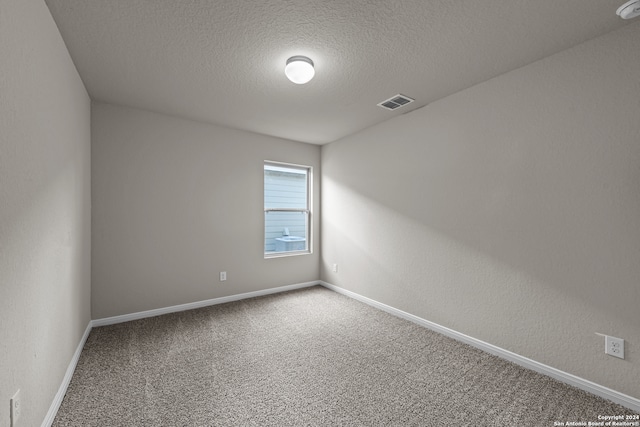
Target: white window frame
(308,210)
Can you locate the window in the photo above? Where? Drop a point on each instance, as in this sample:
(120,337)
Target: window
(287,209)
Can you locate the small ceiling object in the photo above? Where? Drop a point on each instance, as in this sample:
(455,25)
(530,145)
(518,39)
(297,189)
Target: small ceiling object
(629,10)
(396,101)
(299,69)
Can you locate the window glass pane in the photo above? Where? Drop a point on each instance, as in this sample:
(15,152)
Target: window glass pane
(286,187)
(285,231)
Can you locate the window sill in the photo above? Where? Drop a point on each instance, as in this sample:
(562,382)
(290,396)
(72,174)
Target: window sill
(286,254)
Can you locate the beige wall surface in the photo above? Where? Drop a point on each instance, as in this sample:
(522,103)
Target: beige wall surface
(44,209)
(174,203)
(509,211)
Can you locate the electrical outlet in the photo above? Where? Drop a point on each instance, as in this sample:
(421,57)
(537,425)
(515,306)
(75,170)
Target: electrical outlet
(16,408)
(614,346)
(223,276)
(334,268)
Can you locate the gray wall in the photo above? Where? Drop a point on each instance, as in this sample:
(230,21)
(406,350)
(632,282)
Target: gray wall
(518,222)
(44,209)
(174,203)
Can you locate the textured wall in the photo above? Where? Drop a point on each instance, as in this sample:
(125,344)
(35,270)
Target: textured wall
(44,209)
(509,211)
(174,203)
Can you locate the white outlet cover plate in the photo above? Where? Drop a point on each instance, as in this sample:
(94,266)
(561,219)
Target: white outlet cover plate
(614,346)
(15,408)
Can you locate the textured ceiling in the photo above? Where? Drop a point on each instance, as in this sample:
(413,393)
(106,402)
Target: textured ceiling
(222,61)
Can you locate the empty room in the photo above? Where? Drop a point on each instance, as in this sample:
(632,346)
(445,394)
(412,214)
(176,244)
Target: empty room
(298,212)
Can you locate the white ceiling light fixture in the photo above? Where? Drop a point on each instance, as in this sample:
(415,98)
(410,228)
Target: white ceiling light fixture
(299,69)
(629,10)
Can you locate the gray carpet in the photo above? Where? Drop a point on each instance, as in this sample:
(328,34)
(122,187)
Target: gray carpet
(308,357)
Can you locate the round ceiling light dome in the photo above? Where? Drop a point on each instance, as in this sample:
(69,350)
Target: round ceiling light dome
(299,69)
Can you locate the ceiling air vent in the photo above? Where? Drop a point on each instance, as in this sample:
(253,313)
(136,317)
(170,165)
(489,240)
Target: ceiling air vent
(395,102)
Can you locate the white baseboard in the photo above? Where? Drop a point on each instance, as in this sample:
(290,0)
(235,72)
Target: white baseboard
(62,390)
(588,386)
(198,304)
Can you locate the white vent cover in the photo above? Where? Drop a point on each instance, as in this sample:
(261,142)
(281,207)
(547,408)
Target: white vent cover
(395,102)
